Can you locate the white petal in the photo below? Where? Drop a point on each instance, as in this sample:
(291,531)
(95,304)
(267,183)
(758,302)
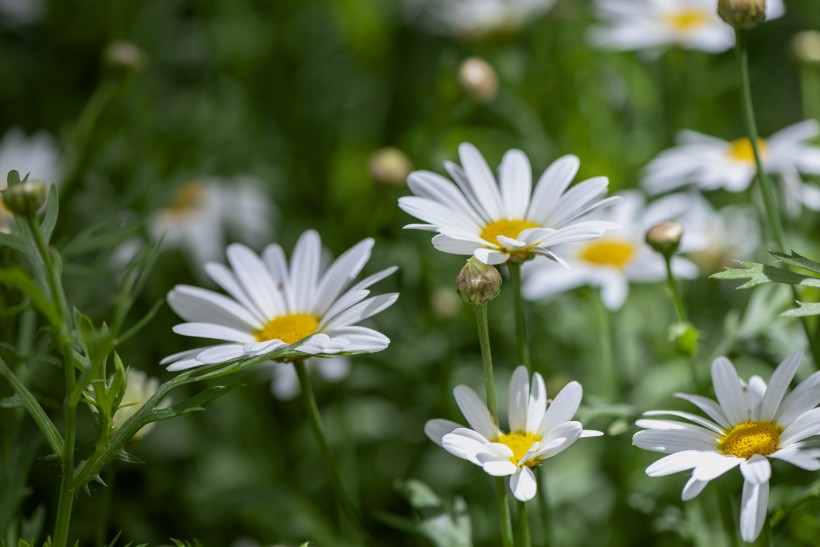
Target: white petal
(753,507)
(708,406)
(438,428)
(778,385)
(805,425)
(256,280)
(497,467)
(537,403)
(563,407)
(518,398)
(490,256)
(756,469)
(688,416)
(804,397)
(675,463)
(670,441)
(714,465)
(209,330)
(475,411)
(220,354)
(551,185)
(361,311)
(195,304)
(304,271)
(523,484)
(728,390)
(340,274)
(808,459)
(466,444)
(692,488)
(516,183)
(481,180)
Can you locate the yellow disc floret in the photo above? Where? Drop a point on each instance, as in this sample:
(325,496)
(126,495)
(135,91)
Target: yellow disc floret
(687,20)
(519,442)
(505,227)
(288,328)
(746,439)
(741,150)
(616,253)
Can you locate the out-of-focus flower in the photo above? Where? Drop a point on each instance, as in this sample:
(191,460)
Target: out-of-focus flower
(311,309)
(655,25)
(285,383)
(536,432)
(750,424)
(124,55)
(716,239)
(806,46)
(475,18)
(620,257)
(36,156)
(25,198)
(498,222)
(203,211)
(20,12)
(390,166)
(711,163)
(478,79)
(445,302)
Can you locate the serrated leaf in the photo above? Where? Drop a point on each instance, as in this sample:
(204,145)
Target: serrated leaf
(127,457)
(800,261)
(805,309)
(758,274)
(194,404)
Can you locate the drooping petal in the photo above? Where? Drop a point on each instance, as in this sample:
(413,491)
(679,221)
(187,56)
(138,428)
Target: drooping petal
(523,484)
(753,506)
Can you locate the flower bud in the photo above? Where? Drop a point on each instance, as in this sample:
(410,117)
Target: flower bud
(478,283)
(806,46)
(665,237)
(478,80)
(742,14)
(124,55)
(25,198)
(390,165)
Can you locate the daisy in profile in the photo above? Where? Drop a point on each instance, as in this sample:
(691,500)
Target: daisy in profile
(711,163)
(306,308)
(500,221)
(475,18)
(655,25)
(536,431)
(622,256)
(284,382)
(749,425)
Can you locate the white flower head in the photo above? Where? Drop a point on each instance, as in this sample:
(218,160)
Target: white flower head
(476,18)
(310,309)
(655,25)
(710,163)
(537,432)
(284,382)
(749,425)
(622,256)
(496,221)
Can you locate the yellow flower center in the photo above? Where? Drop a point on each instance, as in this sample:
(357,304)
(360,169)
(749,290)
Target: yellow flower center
(505,227)
(741,150)
(519,442)
(288,328)
(687,20)
(187,200)
(616,253)
(749,438)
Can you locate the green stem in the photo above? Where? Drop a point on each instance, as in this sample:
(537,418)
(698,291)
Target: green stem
(315,419)
(105,507)
(487,360)
(772,212)
(544,508)
(523,349)
(674,289)
(523,525)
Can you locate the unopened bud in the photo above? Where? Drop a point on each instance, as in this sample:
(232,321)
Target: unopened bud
(742,14)
(478,283)
(390,166)
(124,55)
(685,337)
(806,46)
(665,237)
(25,198)
(478,80)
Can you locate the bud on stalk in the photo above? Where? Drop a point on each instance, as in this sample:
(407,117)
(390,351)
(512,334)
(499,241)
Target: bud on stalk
(478,283)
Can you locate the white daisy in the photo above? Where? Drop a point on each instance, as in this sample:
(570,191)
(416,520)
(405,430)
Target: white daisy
(711,163)
(476,217)
(656,25)
(475,18)
(308,309)
(203,211)
(750,425)
(285,383)
(716,239)
(621,256)
(536,432)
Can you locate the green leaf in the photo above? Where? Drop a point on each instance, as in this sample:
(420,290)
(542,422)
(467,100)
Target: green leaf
(758,274)
(52,211)
(16,278)
(795,259)
(13,177)
(435,523)
(805,309)
(194,404)
(12,241)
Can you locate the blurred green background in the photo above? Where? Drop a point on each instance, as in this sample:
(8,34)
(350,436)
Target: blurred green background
(299,94)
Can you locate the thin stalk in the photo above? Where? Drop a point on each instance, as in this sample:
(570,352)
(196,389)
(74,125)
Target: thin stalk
(523,349)
(309,400)
(487,360)
(544,508)
(523,525)
(772,212)
(674,289)
(105,507)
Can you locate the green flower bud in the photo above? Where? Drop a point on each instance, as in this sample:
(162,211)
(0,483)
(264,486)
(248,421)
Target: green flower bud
(390,166)
(806,46)
(124,56)
(742,14)
(478,283)
(685,337)
(665,237)
(25,198)
(478,80)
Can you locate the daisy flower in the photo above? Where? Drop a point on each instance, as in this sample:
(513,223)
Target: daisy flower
(495,223)
(749,425)
(475,18)
(621,256)
(656,25)
(711,163)
(308,309)
(285,383)
(536,432)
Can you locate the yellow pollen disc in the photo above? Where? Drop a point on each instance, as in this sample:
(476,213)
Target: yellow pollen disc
(609,252)
(687,19)
(288,328)
(519,442)
(741,150)
(506,227)
(749,438)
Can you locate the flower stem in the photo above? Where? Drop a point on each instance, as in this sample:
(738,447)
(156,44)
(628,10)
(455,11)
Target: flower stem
(489,382)
(674,289)
(520,322)
(315,419)
(772,213)
(523,525)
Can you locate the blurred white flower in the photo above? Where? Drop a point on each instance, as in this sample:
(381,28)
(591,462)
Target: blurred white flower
(285,383)
(536,432)
(36,156)
(716,239)
(496,221)
(711,163)
(622,256)
(475,18)
(749,425)
(655,25)
(20,12)
(138,390)
(203,211)
(310,308)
